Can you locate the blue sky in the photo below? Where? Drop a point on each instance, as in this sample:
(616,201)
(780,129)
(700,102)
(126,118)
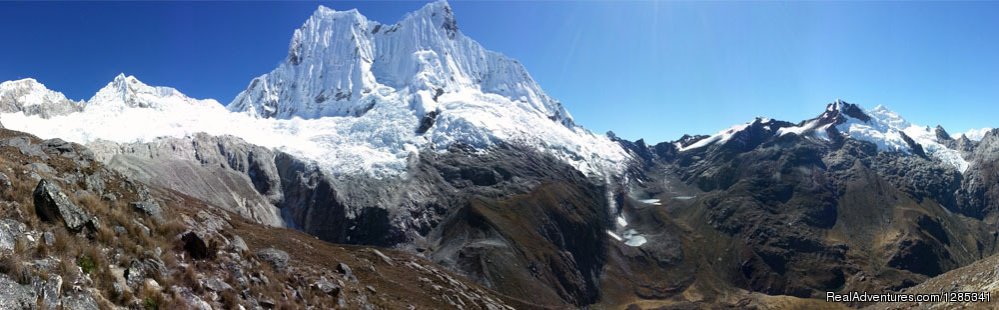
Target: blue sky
(653,70)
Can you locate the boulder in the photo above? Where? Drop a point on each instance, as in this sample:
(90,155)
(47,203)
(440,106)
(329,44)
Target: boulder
(9,230)
(276,258)
(344,270)
(52,204)
(151,209)
(238,245)
(326,286)
(215,284)
(49,238)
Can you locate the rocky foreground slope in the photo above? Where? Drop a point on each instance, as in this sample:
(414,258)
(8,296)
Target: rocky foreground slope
(76,235)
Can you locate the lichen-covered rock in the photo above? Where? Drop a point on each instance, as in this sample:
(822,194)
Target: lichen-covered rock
(16,296)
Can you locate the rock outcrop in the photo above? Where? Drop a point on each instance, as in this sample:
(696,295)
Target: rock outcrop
(51,204)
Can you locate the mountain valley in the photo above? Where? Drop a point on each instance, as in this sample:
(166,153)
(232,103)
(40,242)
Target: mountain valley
(406,166)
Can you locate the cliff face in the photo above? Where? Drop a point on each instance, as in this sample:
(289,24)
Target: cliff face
(77,234)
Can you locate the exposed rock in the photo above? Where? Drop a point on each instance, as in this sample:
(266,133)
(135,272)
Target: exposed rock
(216,284)
(383,257)
(344,270)
(52,204)
(10,230)
(150,208)
(224,170)
(276,258)
(238,245)
(24,145)
(49,291)
(48,238)
(80,301)
(138,271)
(195,246)
(326,286)
(4,181)
(16,296)
(190,299)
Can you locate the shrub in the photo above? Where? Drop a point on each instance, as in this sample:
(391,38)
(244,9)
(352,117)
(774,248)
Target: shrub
(86,263)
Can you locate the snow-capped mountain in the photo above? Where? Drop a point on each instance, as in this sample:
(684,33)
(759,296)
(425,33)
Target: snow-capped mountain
(30,97)
(881,126)
(438,86)
(977,134)
(357,97)
(339,60)
(129,92)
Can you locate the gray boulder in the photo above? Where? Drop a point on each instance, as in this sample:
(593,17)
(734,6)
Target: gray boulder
(276,258)
(326,286)
(80,301)
(24,145)
(52,204)
(237,244)
(16,296)
(215,284)
(9,231)
(49,291)
(151,209)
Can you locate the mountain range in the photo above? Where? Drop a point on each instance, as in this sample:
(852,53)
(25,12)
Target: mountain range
(413,136)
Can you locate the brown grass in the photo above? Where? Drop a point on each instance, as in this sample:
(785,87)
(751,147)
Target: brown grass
(11,266)
(190,279)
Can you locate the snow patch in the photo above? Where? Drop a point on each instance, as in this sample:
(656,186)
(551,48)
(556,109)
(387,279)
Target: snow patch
(720,137)
(633,238)
(654,202)
(613,235)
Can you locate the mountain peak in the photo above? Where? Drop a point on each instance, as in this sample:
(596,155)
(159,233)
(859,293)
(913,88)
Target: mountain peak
(335,67)
(127,91)
(439,14)
(22,83)
(881,126)
(33,98)
(326,12)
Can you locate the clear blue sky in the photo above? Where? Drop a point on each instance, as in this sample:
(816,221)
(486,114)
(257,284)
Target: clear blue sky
(643,69)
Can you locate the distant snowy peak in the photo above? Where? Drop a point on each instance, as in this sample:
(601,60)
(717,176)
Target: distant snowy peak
(128,92)
(740,136)
(977,134)
(33,98)
(338,60)
(881,126)
(884,128)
